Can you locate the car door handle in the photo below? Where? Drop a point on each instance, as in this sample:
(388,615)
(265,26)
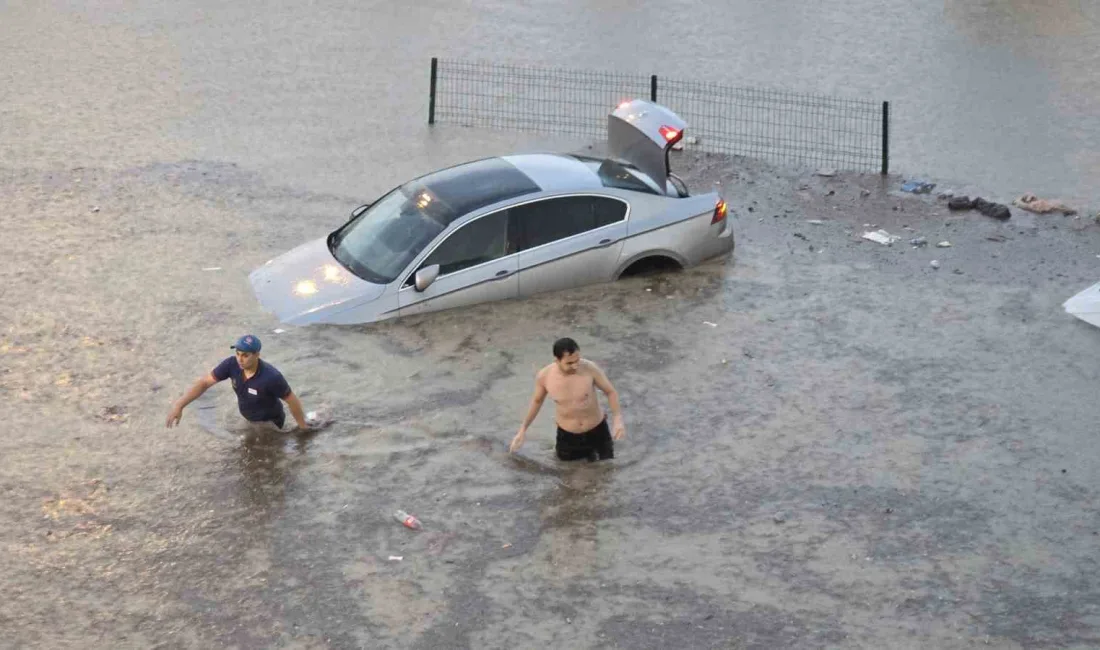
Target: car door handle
(501,274)
(606,242)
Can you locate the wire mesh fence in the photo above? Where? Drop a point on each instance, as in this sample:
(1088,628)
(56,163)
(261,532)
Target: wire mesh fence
(776,125)
(551,100)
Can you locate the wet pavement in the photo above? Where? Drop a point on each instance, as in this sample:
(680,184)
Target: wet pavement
(830,444)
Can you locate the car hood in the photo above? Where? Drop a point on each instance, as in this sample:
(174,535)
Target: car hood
(306,284)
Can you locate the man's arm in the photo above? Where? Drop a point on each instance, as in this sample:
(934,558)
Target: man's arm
(532,411)
(193,393)
(296,409)
(604,384)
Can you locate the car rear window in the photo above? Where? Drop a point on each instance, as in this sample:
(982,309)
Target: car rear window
(613,173)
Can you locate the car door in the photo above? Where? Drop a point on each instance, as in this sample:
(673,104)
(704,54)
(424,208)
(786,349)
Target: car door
(568,241)
(477,263)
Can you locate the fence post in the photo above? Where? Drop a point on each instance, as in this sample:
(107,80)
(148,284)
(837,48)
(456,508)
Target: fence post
(885,138)
(653,88)
(431,92)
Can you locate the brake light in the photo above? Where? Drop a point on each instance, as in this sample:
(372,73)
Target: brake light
(720,210)
(669,133)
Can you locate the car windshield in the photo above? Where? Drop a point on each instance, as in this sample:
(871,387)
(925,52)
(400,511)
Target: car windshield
(382,241)
(379,243)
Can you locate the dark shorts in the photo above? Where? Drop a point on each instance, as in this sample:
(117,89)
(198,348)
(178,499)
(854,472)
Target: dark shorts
(594,444)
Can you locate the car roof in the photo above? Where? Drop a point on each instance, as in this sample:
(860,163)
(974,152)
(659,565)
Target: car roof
(472,185)
(555,172)
(558,172)
(467,187)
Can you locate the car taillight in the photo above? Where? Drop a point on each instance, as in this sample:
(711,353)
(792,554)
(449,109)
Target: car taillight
(719,211)
(669,133)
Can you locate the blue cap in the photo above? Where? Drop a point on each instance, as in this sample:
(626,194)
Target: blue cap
(247,343)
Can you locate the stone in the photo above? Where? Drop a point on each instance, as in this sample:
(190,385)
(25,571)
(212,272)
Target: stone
(960,203)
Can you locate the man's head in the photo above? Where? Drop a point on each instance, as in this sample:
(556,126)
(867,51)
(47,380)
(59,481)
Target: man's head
(248,351)
(568,355)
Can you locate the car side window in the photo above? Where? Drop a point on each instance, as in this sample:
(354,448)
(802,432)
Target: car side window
(607,211)
(483,240)
(549,220)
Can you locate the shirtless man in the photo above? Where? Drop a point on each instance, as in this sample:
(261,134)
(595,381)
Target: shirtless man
(582,428)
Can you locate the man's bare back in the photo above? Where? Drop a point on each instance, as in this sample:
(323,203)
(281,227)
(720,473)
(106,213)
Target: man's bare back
(571,382)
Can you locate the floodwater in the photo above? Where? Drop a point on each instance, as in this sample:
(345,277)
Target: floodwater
(999,93)
(829,443)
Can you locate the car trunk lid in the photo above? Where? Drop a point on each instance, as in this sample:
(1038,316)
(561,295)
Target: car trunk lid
(641,133)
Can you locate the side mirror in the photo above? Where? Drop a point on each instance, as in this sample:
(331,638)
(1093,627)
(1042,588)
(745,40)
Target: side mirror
(426,276)
(360,210)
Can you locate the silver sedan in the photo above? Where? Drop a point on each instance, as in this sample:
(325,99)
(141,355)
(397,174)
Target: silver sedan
(505,227)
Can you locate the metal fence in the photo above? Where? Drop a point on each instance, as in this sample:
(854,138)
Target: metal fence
(775,125)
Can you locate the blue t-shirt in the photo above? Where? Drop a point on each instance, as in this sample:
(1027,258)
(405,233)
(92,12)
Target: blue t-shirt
(258,396)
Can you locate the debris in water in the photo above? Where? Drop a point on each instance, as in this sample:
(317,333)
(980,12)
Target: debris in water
(1085,305)
(944,244)
(113,413)
(990,209)
(934,264)
(1032,203)
(960,203)
(918,187)
(881,236)
(408,520)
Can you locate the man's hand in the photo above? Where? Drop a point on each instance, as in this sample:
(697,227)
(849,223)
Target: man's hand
(620,428)
(518,441)
(192,394)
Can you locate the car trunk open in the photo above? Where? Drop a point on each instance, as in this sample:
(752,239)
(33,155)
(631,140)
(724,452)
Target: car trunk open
(641,133)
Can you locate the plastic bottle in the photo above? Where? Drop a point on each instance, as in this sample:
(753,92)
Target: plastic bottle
(407,519)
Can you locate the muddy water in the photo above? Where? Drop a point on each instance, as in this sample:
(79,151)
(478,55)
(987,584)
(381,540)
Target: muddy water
(334,96)
(860,452)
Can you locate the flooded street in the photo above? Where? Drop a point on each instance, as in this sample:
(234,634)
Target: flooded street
(334,95)
(829,443)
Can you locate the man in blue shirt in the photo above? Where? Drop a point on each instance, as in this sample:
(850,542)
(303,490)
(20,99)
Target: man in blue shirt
(258,384)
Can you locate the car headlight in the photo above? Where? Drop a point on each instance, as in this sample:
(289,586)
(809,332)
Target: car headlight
(333,274)
(305,288)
